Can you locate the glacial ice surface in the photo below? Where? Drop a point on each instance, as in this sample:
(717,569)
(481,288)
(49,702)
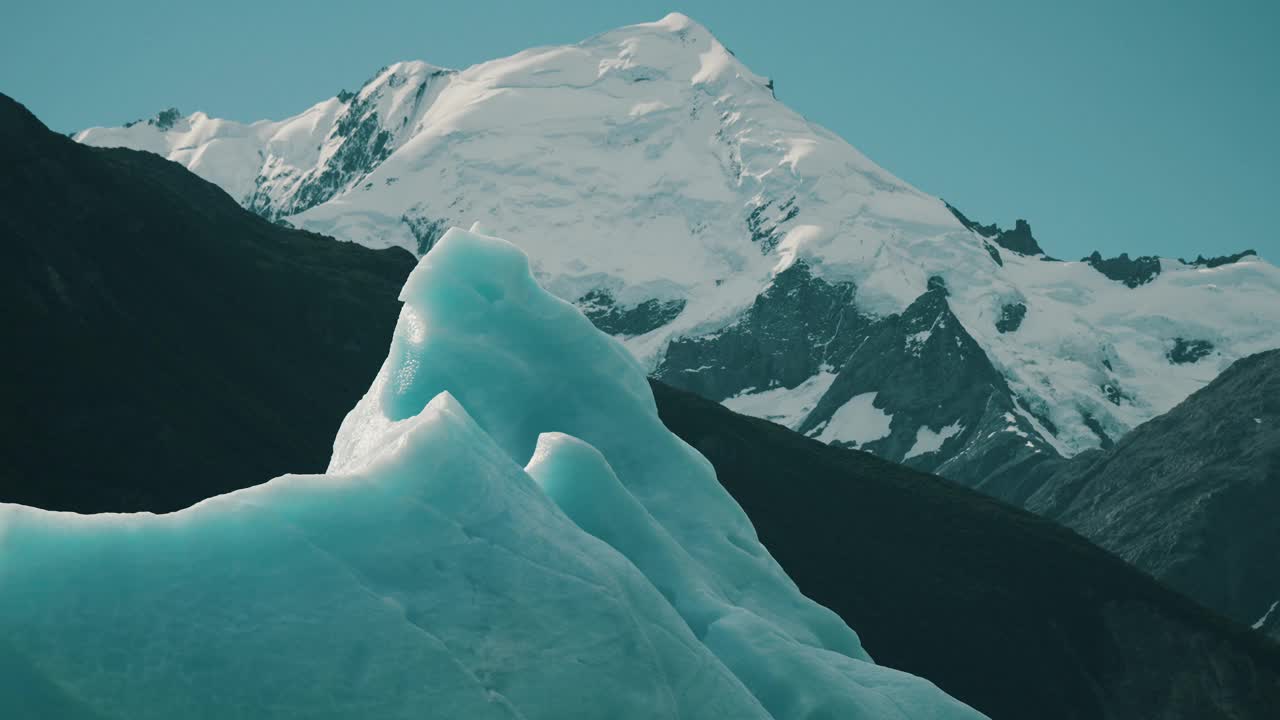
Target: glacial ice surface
(506,530)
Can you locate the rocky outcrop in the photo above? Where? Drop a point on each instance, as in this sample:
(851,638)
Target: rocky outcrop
(1188,351)
(951,411)
(360,139)
(425,230)
(603,310)
(1011,316)
(164,120)
(1123,269)
(798,325)
(1213,262)
(1019,239)
(913,387)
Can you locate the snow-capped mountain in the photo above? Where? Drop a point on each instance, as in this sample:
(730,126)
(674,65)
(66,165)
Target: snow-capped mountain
(744,252)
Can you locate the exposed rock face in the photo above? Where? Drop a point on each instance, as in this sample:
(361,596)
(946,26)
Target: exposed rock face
(1132,272)
(155,330)
(1189,351)
(928,375)
(164,120)
(1190,496)
(364,134)
(797,326)
(994,253)
(1019,239)
(1065,630)
(604,311)
(425,230)
(1011,316)
(928,394)
(764,223)
(1213,262)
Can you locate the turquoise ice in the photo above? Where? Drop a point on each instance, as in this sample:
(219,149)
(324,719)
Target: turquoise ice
(505,530)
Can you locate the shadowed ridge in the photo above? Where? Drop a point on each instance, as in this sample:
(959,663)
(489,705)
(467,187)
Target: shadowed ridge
(1002,609)
(155,329)
(1189,496)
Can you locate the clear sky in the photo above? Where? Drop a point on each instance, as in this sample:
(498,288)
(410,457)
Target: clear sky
(1133,125)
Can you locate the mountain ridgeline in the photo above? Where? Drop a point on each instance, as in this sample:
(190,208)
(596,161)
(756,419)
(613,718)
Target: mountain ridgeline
(1190,496)
(745,253)
(159,338)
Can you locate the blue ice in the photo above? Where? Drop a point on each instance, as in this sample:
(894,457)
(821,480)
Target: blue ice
(506,530)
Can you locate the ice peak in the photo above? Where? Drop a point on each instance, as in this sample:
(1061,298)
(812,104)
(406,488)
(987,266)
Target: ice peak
(409,73)
(678,41)
(691,32)
(480,338)
(675,21)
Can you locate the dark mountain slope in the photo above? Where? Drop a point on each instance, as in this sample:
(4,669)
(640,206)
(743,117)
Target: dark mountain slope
(161,343)
(1192,496)
(1004,610)
(927,370)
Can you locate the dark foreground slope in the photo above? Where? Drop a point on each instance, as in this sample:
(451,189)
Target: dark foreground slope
(1192,496)
(158,339)
(1002,609)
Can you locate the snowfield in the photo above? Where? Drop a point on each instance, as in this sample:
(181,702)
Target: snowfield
(650,162)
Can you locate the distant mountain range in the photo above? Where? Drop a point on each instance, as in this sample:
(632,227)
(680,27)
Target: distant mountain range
(1001,609)
(746,254)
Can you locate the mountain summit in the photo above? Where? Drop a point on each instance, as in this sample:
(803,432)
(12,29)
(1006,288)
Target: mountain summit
(745,253)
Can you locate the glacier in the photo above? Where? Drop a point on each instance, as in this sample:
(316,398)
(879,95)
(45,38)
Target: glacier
(505,530)
(651,165)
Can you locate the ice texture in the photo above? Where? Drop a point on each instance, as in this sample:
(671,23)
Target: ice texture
(506,530)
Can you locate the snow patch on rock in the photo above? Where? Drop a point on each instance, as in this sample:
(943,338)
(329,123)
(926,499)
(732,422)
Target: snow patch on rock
(928,440)
(785,406)
(856,423)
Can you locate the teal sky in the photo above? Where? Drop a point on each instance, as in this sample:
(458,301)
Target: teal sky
(1139,126)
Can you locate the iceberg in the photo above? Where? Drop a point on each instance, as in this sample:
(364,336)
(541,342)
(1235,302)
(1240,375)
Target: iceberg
(505,530)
